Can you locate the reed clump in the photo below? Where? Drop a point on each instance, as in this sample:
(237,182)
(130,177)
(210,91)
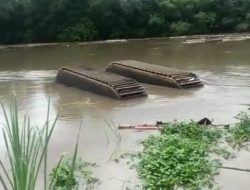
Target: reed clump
(27,153)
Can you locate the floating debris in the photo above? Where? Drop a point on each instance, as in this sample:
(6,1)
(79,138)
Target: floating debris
(139,127)
(216,38)
(160,125)
(205,121)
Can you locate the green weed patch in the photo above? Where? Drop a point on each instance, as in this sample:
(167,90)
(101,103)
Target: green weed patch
(182,156)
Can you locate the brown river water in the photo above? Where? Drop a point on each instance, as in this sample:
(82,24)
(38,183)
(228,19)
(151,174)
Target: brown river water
(29,73)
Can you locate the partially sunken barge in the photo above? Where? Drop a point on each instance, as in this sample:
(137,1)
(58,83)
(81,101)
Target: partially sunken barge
(100,82)
(154,74)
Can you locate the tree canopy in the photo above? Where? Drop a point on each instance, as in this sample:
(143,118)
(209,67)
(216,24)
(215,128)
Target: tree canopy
(26,21)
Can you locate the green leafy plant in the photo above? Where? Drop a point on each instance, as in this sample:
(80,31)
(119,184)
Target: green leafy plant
(180,157)
(240,133)
(176,162)
(82,175)
(205,134)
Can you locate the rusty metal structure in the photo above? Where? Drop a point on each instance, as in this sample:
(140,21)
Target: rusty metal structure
(100,82)
(154,74)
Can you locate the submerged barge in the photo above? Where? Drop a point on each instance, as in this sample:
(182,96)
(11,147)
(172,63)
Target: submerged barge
(154,74)
(100,82)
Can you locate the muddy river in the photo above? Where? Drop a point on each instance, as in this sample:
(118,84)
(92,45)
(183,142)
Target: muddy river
(29,73)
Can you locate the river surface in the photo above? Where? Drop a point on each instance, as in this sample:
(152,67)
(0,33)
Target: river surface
(29,73)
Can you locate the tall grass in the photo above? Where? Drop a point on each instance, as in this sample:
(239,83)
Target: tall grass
(27,148)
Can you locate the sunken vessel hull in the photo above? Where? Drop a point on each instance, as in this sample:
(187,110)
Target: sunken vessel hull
(100,82)
(154,74)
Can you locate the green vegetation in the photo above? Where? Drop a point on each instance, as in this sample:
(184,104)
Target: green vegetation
(27,151)
(179,157)
(23,21)
(187,155)
(240,133)
(63,179)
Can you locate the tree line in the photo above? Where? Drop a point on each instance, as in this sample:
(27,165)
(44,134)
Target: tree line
(27,21)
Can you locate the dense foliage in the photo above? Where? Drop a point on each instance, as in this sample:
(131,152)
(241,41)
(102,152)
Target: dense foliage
(180,157)
(187,155)
(23,21)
